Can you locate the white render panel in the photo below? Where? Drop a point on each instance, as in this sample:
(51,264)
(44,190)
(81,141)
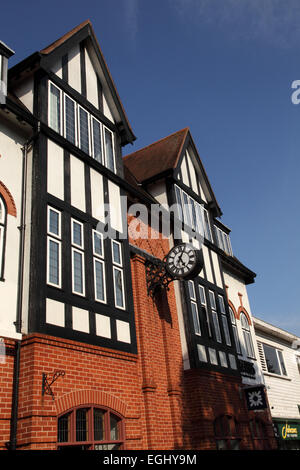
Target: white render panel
(159,192)
(106,110)
(57,67)
(184,173)
(74,71)
(55,312)
(80,319)
(192,173)
(97,195)
(207,264)
(115,207)
(103,325)
(123,331)
(11,176)
(25,93)
(216,267)
(55,170)
(91,81)
(77,183)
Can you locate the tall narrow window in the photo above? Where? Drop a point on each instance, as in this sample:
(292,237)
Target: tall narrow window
(194,308)
(235,331)
(2,234)
(118,275)
(70,119)
(224,320)
(179,203)
(215,317)
(84,131)
(78,277)
(54,247)
(55,108)
(109,149)
(97,140)
(247,335)
(204,306)
(206,225)
(99,267)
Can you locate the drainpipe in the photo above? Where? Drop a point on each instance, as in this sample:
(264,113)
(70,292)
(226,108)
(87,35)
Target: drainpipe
(12,444)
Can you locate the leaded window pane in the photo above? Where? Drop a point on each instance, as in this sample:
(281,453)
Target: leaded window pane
(53,262)
(97,141)
(84,130)
(99,434)
(81,425)
(99,280)
(70,120)
(55,118)
(109,150)
(118,281)
(114,428)
(98,248)
(195,318)
(63,428)
(54,222)
(78,272)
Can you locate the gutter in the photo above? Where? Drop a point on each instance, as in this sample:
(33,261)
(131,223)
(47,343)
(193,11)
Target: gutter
(12,444)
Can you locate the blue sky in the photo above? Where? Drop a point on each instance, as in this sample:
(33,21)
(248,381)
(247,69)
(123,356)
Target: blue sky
(224,69)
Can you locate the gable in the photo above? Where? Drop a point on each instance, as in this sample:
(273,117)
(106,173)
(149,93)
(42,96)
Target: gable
(76,58)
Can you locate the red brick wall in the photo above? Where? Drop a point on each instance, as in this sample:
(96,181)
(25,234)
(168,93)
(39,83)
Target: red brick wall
(6,390)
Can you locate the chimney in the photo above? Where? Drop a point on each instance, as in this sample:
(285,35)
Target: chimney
(5,54)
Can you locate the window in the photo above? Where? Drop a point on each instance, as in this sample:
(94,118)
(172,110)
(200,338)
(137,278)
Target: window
(109,149)
(97,140)
(70,119)
(77,249)
(118,276)
(90,428)
(223,240)
(54,247)
(247,335)
(83,123)
(274,360)
(55,108)
(194,308)
(224,320)
(235,331)
(81,128)
(3,215)
(204,306)
(227,433)
(192,213)
(99,267)
(215,318)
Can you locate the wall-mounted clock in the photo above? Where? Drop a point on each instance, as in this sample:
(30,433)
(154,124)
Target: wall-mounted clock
(184,261)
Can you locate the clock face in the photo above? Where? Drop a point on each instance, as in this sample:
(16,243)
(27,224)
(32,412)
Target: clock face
(184,261)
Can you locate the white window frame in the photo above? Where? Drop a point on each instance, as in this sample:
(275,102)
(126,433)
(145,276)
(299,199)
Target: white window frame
(101,143)
(56,238)
(235,331)
(277,350)
(65,95)
(81,247)
(224,320)
(60,110)
(100,259)
(113,148)
(246,331)
(120,250)
(76,250)
(204,305)
(58,242)
(215,317)
(89,128)
(116,268)
(3,226)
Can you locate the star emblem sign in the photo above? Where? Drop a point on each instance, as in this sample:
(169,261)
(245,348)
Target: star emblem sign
(255,399)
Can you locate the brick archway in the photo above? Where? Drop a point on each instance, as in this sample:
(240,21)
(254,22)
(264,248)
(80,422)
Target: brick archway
(9,200)
(243,310)
(85,397)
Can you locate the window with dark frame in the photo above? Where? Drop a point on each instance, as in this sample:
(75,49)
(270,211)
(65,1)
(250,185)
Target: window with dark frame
(90,428)
(227,433)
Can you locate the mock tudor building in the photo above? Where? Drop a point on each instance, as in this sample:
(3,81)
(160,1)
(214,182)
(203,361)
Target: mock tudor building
(96,352)
(217,334)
